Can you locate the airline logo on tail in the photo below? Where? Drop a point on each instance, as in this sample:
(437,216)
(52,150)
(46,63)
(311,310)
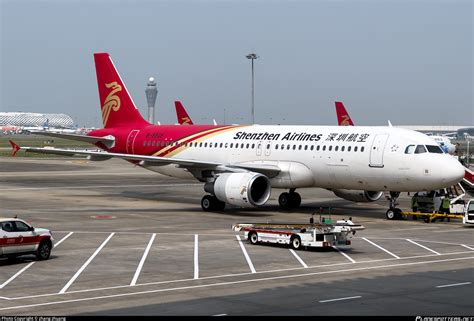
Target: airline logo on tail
(112,101)
(185,121)
(343,117)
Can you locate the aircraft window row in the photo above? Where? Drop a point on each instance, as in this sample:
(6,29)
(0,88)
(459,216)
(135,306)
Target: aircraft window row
(420,149)
(252,146)
(318,147)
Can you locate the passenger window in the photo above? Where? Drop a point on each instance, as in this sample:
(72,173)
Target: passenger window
(410,149)
(205,144)
(317,147)
(294,147)
(149,143)
(153,143)
(221,145)
(276,146)
(420,149)
(324,147)
(362,149)
(288,146)
(268,146)
(299,147)
(200,144)
(355,148)
(242,145)
(312,147)
(342,148)
(348,148)
(330,148)
(336,148)
(248,146)
(144,143)
(305,147)
(253,146)
(231,145)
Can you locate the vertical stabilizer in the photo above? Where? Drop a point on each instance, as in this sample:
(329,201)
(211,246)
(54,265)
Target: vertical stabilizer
(118,109)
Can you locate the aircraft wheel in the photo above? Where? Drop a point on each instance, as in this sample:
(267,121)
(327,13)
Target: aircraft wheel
(284,200)
(295,200)
(390,214)
(208,203)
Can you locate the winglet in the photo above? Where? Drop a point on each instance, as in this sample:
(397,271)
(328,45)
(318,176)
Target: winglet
(15,148)
(214,122)
(389,123)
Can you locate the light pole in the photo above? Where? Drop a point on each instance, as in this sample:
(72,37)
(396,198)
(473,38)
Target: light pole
(252,56)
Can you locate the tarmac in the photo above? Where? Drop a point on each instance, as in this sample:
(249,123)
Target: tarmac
(133,242)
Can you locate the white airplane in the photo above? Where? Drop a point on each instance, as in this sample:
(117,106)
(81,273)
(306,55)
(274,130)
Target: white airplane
(239,165)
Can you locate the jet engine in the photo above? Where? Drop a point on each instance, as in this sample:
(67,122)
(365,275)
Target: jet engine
(358,195)
(241,189)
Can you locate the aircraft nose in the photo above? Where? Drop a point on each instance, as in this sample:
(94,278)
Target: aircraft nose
(452,172)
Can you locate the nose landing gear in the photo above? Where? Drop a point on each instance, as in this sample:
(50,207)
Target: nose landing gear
(393,213)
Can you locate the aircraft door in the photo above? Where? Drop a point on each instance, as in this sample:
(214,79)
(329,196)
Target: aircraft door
(130,140)
(376,152)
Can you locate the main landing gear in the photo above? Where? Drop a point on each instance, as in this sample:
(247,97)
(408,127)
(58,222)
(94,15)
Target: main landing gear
(289,200)
(393,213)
(211,203)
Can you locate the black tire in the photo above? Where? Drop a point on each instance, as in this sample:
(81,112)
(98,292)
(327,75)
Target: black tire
(295,200)
(426,218)
(295,242)
(208,203)
(12,257)
(44,250)
(398,214)
(219,206)
(391,214)
(253,237)
(284,200)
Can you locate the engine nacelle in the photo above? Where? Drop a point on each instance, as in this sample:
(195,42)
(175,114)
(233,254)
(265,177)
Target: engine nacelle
(241,189)
(358,195)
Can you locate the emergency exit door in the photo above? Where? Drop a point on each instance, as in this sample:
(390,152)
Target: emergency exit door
(376,152)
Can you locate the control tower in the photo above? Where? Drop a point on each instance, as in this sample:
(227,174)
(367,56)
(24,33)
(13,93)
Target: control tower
(151,92)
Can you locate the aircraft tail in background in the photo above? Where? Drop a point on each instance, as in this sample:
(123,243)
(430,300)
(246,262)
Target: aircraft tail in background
(183,117)
(343,118)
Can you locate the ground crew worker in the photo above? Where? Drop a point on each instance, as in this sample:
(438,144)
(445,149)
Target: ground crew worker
(445,205)
(414,202)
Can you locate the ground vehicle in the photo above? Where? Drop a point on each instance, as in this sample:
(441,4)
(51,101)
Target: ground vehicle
(300,235)
(17,237)
(469,213)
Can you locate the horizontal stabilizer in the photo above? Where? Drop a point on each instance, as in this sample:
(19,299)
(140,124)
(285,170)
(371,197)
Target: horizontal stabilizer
(108,141)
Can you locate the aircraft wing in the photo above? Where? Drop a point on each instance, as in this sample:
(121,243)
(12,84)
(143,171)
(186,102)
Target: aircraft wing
(145,160)
(108,141)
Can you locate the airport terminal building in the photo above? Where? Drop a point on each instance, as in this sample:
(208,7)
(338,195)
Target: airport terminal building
(35,120)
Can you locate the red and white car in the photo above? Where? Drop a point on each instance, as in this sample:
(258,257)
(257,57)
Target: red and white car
(17,237)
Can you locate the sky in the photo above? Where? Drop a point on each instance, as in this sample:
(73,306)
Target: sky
(410,62)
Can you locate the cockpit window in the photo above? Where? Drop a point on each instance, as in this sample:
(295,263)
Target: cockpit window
(434,149)
(420,149)
(410,149)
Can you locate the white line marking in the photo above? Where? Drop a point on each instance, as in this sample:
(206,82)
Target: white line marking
(347,256)
(237,275)
(95,186)
(224,283)
(142,261)
(62,240)
(68,284)
(247,257)
(4,298)
(196,257)
(299,259)
(16,274)
(340,299)
(386,251)
(422,246)
(219,315)
(467,247)
(454,284)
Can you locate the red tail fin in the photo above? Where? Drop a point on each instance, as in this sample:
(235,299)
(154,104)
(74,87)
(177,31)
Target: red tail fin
(117,106)
(343,118)
(15,147)
(183,117)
